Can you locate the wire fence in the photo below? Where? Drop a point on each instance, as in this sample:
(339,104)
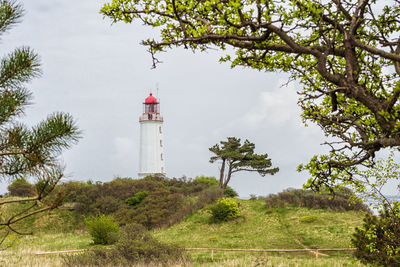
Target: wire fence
(316,251)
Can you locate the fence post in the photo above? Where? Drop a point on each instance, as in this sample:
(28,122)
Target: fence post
(212,255)
(316,254)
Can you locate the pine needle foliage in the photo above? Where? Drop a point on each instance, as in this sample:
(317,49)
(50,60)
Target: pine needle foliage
(30,152)
(236,157)
(10,13)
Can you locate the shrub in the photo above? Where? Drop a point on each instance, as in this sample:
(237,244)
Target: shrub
(135,246)
(20,187)
(225,209)
(308,219)
(168,200)
(137,198)
(211,182)
(342,200)
(207,181)
(378,241)
(102,228)
(229,192)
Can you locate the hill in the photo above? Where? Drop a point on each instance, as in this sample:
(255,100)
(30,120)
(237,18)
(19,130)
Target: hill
(261,227)
(268,228)
(258,227)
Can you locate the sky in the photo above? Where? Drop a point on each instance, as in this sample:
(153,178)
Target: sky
(100,74)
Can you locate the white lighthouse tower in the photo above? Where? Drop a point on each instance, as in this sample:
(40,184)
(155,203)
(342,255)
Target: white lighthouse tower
(151,158)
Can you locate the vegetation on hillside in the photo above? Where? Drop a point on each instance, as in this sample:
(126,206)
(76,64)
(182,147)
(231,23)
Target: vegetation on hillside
(225,209)
(258,227)
(20,187)
(342,200)
(152,201)
(262,227)
(135,246)
(291,219)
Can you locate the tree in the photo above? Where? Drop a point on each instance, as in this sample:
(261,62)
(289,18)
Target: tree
(344,53)
(378,241)
(236,157)
(24,151)
(20,187)
(369,183)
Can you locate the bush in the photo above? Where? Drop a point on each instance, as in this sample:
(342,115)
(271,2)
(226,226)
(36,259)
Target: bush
(308,219)
(229,192)
(20,187)
(211,182)
(378,241)
(135,246)
(137,198)
(207,181)
(342,200)
(168,200)
(225,209)
(102,228)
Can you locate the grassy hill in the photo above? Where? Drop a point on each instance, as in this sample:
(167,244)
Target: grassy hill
(267,228)
(259,227)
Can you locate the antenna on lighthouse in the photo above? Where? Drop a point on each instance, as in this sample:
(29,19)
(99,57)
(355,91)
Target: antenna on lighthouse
(157,90)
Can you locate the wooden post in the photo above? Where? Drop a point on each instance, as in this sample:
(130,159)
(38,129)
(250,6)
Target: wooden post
(316,254)
(212,255)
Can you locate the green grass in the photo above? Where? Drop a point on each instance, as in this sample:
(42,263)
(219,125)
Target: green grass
(53,242)
(259,227)
(284,260)
(23,251)
(262,228)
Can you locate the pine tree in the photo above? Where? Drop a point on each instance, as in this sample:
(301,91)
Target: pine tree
(27,151)
(236,157)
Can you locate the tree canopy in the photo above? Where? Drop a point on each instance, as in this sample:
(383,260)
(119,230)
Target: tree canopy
(236,157)
(27,151)
(344,53)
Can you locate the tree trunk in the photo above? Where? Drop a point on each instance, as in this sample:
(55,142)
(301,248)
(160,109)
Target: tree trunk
(228,176)
(221,174)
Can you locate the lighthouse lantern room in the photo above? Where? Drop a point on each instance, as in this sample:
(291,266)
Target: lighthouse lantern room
(151,158)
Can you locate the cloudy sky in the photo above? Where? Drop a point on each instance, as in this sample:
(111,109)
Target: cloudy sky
(100,74)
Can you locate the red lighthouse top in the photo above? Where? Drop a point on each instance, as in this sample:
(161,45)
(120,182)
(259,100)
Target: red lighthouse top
(151,99)
(151,110)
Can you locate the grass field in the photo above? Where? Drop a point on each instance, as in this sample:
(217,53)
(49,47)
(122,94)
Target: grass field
(266,228)
(262,228)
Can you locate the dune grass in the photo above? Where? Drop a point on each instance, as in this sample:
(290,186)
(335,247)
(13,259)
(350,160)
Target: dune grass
(271,259)
(24,249)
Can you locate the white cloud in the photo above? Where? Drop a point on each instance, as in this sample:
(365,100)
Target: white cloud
(276,107)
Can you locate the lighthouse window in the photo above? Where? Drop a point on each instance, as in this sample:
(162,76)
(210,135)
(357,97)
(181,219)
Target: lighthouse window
(162,156)
(160,143)
(160,129)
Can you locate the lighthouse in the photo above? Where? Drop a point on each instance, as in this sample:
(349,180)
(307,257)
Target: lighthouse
(151,158)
